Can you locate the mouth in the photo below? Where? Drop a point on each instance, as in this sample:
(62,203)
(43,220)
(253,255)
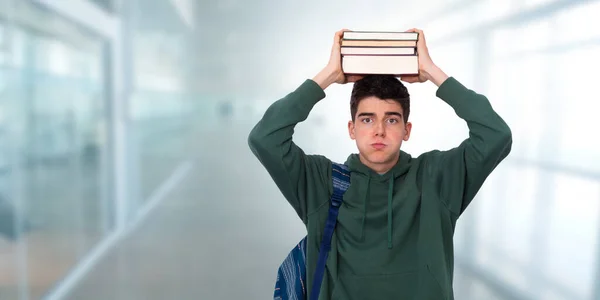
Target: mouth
(378,146)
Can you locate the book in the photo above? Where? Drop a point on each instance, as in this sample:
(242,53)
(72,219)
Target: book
(380,35)
(389,65)
(378,43)
(378,50)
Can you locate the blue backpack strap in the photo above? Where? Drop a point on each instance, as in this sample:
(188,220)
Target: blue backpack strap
(340,175)
(291,276)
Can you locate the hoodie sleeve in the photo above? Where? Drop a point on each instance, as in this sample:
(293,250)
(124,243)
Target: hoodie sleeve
(461,171)
(294,172)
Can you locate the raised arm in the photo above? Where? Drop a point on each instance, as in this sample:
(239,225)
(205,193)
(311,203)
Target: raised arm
(461,171)
(271,140)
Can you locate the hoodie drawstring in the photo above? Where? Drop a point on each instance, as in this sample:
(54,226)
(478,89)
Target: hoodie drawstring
(390,194)
(362,230)
(390,222)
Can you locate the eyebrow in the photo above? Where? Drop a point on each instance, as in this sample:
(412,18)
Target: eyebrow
(389,113)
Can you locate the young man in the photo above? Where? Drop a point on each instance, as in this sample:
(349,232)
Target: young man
(394,236)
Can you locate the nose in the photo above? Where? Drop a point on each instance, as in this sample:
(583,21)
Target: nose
(380,130)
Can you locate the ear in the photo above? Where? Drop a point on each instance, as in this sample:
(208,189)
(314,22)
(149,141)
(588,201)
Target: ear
(408,128)
(351,130)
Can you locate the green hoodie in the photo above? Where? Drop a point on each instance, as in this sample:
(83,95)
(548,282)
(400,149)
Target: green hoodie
(394,237)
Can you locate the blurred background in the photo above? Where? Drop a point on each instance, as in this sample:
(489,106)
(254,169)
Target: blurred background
(125,172)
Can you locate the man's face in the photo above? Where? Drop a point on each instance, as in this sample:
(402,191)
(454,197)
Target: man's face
(379,130)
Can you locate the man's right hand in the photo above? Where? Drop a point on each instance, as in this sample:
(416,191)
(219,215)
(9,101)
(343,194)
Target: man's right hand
(333,73)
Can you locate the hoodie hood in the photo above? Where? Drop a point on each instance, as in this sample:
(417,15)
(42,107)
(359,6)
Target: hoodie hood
(399,170)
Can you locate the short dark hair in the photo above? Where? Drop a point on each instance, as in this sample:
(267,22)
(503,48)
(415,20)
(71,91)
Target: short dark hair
(385,87)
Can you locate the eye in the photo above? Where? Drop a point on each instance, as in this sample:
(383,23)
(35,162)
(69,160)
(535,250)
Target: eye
(366,120)
(393,121)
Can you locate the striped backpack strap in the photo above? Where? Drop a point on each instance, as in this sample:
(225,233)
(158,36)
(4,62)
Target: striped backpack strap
(340,175)
(291,276)
(341,181)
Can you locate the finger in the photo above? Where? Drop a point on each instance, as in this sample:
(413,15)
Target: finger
(417,30)
(337,40)
(420,33)
(409,78)
(421,36)
(354,78)
(339,34)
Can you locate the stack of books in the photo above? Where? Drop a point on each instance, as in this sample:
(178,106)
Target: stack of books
(380,52)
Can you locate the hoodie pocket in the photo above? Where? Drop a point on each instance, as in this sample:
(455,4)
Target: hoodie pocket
(385,286)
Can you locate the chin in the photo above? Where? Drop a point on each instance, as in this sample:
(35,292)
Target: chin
(379,157)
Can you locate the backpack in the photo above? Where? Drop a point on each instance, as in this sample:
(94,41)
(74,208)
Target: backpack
(291,276)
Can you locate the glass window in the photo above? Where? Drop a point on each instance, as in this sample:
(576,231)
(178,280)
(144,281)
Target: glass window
(536,230)
(578,99)
(107,5)
(571,252)
(9,271)
(578,23)
(53,113)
